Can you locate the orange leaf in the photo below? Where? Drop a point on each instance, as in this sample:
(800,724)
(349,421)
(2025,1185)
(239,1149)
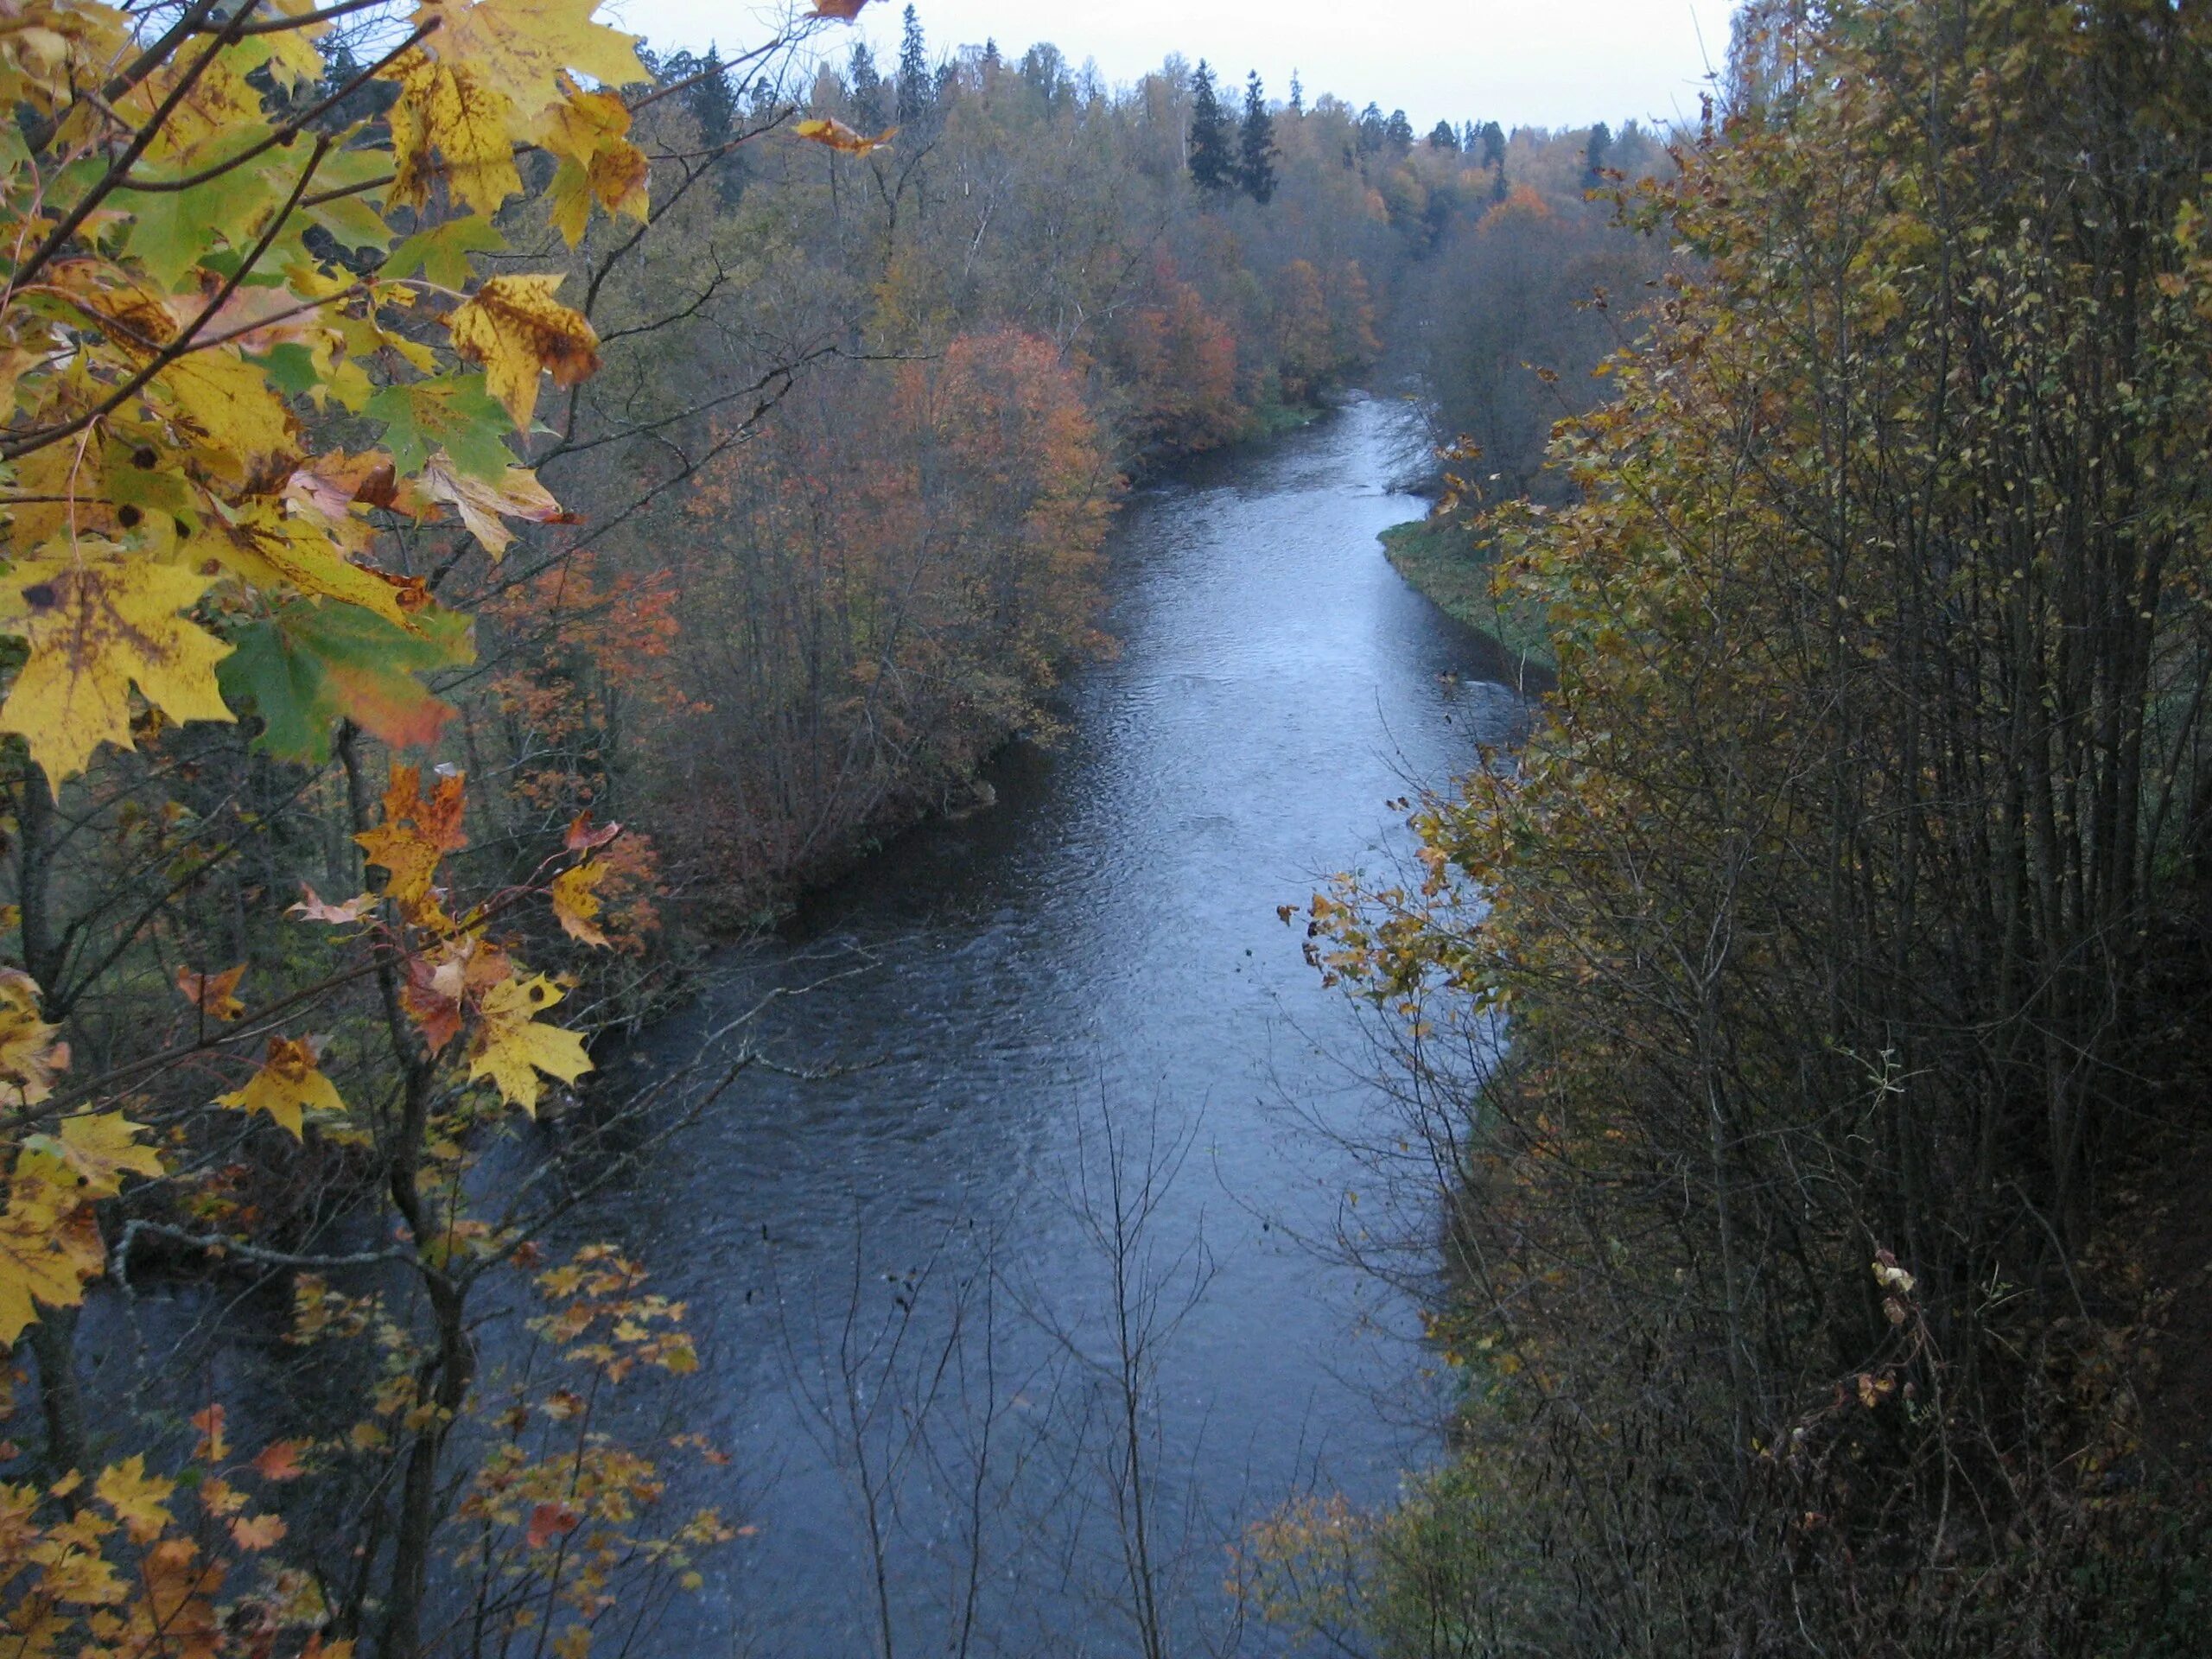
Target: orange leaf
(212,1447)
(260,1532)
(279,1460)
(211,993)
(548,1522)
(416,832)
(844,10)
(833,134)
(584,838)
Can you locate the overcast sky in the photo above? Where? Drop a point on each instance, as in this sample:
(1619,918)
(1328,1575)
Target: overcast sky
(1544,62)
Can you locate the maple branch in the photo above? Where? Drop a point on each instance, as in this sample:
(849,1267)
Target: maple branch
(308,19)
(264,1025)
(216,1243)
(184,342)
(295,126)
(73,219)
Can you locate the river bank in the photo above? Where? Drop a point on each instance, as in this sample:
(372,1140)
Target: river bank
(1453,568)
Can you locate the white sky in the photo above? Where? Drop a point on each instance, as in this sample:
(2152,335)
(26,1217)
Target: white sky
(1540,62)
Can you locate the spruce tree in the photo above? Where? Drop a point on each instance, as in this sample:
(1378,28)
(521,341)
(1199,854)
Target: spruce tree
(1444,136)
(1212,166)
(1256,143)
(709,101)
(1371,129)
(915,86)
(866,83)
(1593,156)
(1399,133)
(1297,94)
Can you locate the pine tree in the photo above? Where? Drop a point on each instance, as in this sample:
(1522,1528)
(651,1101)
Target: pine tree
(1297,94)
(1593,157)
(709,101)
(1371,129)
(1493,137)
(916,89)
(1444,136)
(1256,143)
(866,83)
(1213,167)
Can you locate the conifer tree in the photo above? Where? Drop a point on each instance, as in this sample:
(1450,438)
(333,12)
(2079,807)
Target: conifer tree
(1212,166)
(1297,94)
(866,83)
(1444,136)
(916,89)
(709,101)
(1257,142)
(1593,157)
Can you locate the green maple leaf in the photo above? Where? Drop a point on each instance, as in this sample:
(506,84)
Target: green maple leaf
(311,664)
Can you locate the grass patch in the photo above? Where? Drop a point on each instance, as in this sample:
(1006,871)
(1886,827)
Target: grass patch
(1273,418)
(1451,569)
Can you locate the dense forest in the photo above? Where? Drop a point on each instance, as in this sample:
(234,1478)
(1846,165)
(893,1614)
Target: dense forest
(1823,1262)
(495,506)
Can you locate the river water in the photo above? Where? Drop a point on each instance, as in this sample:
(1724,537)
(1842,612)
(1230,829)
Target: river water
(1068,1033)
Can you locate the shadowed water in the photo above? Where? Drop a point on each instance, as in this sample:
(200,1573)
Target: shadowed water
(900,1273)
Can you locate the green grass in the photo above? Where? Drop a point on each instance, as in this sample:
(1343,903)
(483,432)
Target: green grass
(1447,565)
(1272,418)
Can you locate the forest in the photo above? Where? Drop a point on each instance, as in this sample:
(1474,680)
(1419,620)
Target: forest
(499,509)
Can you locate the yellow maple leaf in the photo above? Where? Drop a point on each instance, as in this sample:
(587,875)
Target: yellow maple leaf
(417,831)
(139,1500)
(289,1081)
(515,327)
(447,110)
(95,1149)
(587,131)
(513,1045)
(28,1055)
(95,625)
(272,549)
(576,902)
(49,1246)
(520,47)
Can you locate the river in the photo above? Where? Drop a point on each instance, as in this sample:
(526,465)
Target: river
(902,1270)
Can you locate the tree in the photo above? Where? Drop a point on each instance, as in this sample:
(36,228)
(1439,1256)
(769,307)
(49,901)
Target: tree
(709,100)
(1213,165)
(1493,143)
(1297,94)
(1593,156)
(866,82)
(1398,133)
(1444,139)
(1831,897)
(1256,144)
(1374,130)
(917,88)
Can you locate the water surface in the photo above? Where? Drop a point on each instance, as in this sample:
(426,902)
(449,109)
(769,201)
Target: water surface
(902,1271)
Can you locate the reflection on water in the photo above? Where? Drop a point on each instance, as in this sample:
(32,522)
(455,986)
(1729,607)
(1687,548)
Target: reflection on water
(1080,1000)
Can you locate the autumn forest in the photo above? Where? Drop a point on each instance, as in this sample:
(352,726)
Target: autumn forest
(669,717)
